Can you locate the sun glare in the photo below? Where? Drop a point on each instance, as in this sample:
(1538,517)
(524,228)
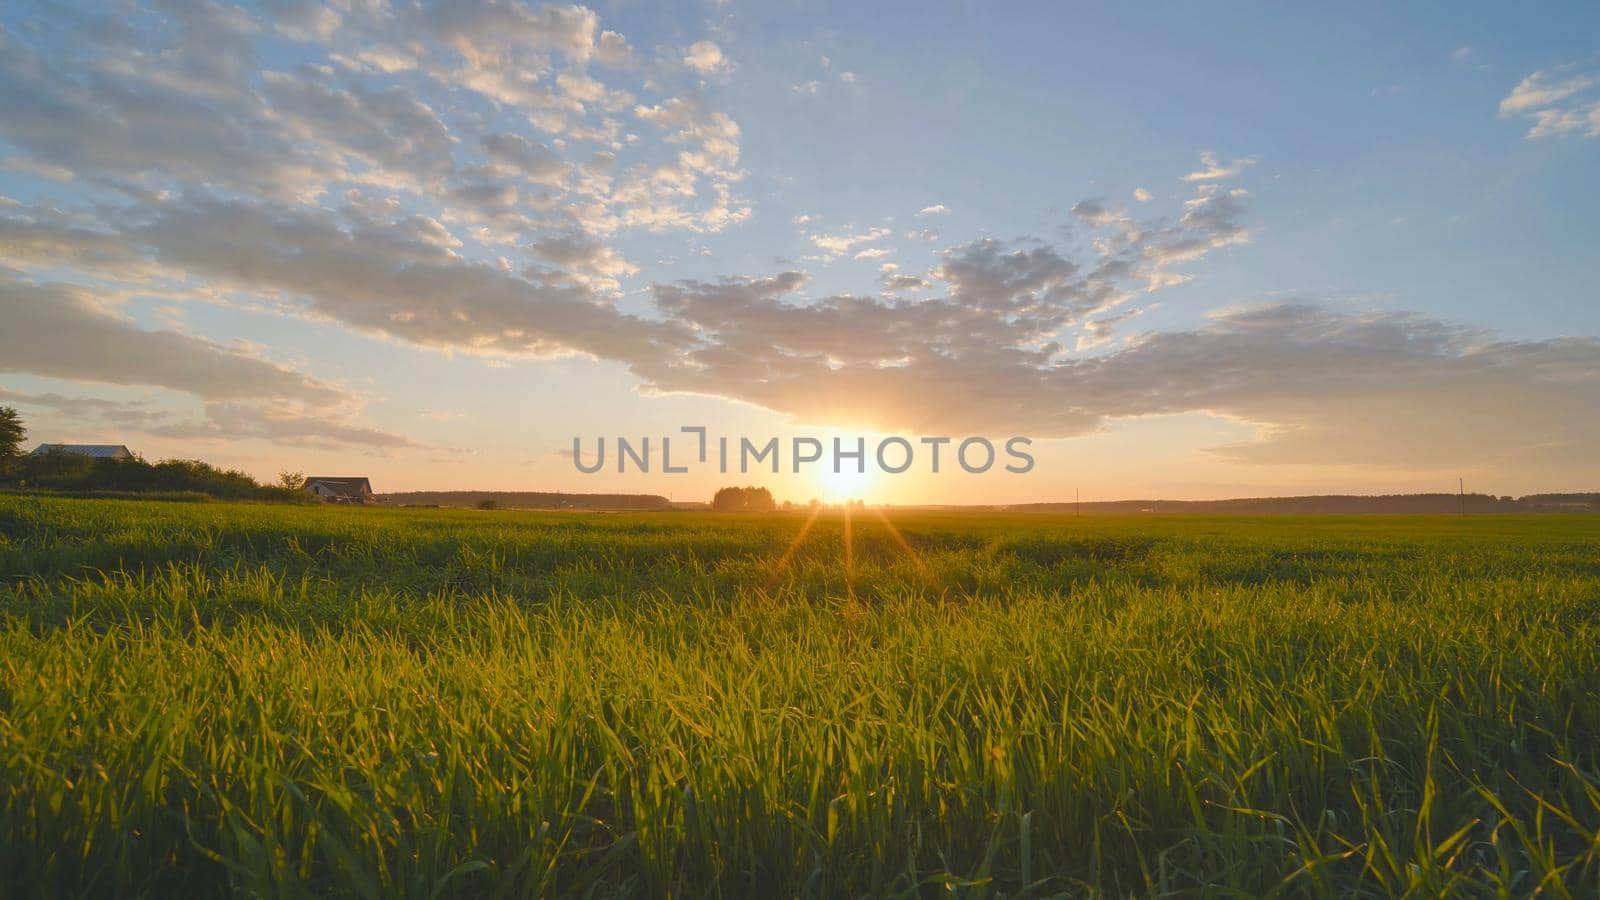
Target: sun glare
(846,484)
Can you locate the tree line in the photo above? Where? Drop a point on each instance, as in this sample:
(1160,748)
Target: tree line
(71,473)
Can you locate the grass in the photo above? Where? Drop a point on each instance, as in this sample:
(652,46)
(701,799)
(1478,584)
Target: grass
(223,698)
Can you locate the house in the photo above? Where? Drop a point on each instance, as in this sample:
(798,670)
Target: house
(95,451)
(341,490)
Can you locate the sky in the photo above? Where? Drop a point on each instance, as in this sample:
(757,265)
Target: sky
(1186,251)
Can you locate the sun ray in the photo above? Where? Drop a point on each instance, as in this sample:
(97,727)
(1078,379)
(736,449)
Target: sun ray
(794,545)
(849,556)
(916,558)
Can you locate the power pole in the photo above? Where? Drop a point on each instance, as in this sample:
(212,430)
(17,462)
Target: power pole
(1461,484)
(1077,500)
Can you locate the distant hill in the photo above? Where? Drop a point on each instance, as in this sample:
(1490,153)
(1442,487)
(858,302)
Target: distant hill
(1339,503)
(526,500)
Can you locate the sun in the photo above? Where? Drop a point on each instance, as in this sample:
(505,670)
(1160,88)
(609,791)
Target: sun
(846,484)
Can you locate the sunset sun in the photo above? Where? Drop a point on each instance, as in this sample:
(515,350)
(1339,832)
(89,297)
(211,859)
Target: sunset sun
(846,484)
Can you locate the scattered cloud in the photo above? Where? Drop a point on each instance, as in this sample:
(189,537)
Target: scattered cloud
(1000,325)
(612,49)
(1558,104)
(840,243)
(1095,212)
(706,58)
(1538,90)
(1212,170)
(812,87)
(345,183)
(905,283)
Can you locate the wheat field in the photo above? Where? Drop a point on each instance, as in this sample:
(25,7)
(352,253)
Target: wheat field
(258,700)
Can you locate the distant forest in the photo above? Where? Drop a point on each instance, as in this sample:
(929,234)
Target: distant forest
(1340,503)
(525,500)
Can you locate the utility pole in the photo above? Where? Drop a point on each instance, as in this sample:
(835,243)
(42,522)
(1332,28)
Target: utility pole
(1077,500)
(1461,484)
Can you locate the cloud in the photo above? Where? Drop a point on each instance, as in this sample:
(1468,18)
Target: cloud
(585,254)
(997,338)
(1323,386)
(706,58)
(532,160)
(391,180)
(61,331)
(1558,122)
(1095,212)
(79,418)
(1555,105)
(387,276)
(183,101)
(45,237)
(937,209)
(357,189)
(1142,195)
(1381,388)
(86,415)
(813,87)
(1101,331)
(110,121)
(388,129)
(1537,91)
(280,426)
(840,243)
(905,283)
(612,49)
(1212,170)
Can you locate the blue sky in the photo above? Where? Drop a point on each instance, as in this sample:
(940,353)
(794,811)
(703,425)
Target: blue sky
(1192,251)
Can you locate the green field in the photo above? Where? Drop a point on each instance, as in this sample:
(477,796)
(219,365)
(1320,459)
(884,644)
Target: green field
(224,698)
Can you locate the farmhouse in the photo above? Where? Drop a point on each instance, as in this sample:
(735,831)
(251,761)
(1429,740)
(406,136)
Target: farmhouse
(341,490)
(97,451)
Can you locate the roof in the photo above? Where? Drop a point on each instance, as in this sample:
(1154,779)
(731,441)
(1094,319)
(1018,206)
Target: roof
(98,451)
(342,486)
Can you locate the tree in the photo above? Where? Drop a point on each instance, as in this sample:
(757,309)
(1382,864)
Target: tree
(743,499)
(488,504)
(728,499)
(291,481)
(11,433)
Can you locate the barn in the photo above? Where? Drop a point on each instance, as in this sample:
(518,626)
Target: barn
(343,489)
(95,451)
